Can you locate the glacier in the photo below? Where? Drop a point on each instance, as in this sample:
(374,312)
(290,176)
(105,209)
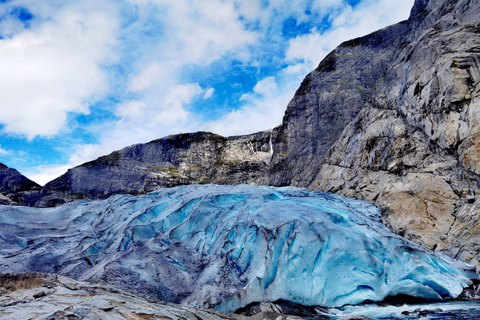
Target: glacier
(228,246)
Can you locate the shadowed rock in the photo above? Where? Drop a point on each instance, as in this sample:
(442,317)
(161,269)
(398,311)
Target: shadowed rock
(193,158)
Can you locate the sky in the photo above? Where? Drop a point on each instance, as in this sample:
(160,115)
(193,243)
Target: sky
(82,78)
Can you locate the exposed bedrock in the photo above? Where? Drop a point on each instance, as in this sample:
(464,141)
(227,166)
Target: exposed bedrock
(191,158)
(414,149)
(34,295)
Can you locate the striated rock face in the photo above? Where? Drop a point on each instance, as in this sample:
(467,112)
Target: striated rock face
(193,158)
(413,149)
(328,99)
(34,295)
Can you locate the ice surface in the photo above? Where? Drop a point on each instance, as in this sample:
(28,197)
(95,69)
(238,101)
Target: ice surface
(227,246)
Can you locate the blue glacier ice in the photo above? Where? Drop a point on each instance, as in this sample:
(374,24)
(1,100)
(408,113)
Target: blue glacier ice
(227,246)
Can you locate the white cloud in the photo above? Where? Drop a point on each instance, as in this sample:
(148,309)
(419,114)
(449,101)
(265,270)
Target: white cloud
(130,109)
(267,14)
(151,74)
(306,51)
(209,93)
(262,110)
(266,87)
(44,174)
(325,5)
(173,107)
(3,151)
(10,26)
(199,32)
(53,69)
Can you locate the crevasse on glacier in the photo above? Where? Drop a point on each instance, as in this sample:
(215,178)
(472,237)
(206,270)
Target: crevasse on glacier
(227,246)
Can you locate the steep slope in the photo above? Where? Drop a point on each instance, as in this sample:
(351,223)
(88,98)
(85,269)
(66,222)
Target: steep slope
(413,150)
(328,99)
(175,160)
(12,182)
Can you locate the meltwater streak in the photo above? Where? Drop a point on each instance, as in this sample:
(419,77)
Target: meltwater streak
(227,246)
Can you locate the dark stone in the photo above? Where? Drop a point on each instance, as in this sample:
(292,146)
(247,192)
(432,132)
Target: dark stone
(40,294)
(284,307)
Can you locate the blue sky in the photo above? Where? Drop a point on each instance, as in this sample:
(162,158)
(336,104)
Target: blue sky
(79,79)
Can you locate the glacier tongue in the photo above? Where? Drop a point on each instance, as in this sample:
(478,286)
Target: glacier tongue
(227,246)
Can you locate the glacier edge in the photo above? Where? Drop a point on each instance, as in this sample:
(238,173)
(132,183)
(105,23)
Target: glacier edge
(227,246)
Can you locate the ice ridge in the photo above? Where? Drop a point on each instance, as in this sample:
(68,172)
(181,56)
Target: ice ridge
(227,246)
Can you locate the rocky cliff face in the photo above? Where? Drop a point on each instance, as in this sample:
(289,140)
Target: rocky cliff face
(13,182)
(193,158)
(413,149)
(328,99)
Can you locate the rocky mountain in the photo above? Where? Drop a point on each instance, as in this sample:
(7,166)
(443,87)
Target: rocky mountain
(13,182)
(412,149)
(392,117)
(192,158)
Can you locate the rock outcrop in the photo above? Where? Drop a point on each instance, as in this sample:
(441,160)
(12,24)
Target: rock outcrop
(193,158)
(328,99)
(13,182)
(412,149)
(34,295)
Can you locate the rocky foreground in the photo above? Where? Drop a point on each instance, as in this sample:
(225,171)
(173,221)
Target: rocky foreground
(43,296)
(36,295)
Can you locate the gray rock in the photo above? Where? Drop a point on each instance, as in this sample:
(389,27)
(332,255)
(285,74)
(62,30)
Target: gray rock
(12,182)
(328,99)
(412,150)
(70,299)
(195,158)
